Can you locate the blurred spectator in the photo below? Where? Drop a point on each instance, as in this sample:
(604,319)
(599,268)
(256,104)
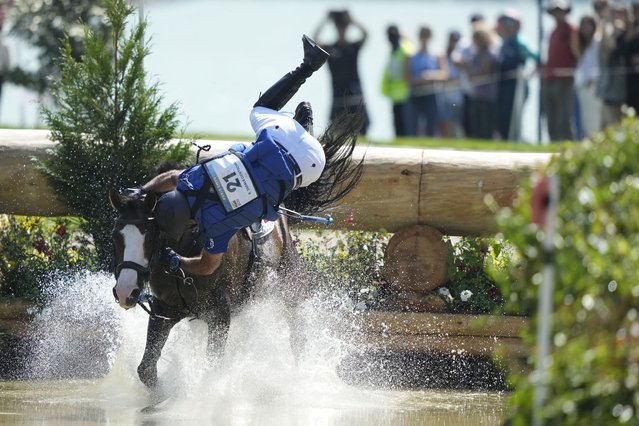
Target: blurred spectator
(558,80)
(602,11)
(482,69)
(4,60)
(343,65)
(632,59)
(463,56)
(611,86)
(395,86)
(450,100)
(513,88)
(585,47)
(4,6)
(424,71)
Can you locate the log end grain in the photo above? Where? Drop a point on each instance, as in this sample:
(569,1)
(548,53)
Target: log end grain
(416,259)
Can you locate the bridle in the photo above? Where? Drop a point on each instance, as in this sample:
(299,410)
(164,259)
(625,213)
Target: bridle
(144,272)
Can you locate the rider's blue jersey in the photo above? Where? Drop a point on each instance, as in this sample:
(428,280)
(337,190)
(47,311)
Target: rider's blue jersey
(272,178)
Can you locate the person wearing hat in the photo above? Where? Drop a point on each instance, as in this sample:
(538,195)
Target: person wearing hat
(246,184)
(512,58)
(558,74)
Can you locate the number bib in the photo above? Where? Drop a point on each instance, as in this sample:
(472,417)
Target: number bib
(231,181)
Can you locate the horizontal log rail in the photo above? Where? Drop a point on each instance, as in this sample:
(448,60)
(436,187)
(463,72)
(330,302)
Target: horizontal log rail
(447,333)
(462,345)
(411,323)
(445,189)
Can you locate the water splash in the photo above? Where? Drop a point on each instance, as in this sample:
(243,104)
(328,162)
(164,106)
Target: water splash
(82,332)
(259,379)
(76,334)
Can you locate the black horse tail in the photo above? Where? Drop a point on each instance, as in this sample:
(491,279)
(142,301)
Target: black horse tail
(341,173)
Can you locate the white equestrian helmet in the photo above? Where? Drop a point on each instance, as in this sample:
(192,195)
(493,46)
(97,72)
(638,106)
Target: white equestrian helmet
(303,147)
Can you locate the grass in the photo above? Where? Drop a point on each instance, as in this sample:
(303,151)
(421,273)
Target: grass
(424,143)
(471,145)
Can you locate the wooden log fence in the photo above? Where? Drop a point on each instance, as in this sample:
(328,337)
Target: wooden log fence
(419,194)
(445,189)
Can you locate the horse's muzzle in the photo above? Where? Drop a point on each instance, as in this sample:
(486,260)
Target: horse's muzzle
(130,301)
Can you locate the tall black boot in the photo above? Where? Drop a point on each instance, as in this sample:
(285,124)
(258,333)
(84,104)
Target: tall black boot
(304,116)
(281,92)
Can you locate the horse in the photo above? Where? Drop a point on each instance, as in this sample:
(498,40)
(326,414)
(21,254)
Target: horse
(252,253)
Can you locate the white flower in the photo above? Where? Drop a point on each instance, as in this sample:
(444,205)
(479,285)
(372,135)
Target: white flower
(465,295)
(443,291)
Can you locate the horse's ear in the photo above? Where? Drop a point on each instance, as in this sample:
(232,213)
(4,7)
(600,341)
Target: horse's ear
(114,198)
(150,200)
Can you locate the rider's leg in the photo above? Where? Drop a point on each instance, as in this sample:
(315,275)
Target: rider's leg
(304,116)
(281,92)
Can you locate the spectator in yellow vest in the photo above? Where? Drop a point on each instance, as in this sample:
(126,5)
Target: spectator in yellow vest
(395,85)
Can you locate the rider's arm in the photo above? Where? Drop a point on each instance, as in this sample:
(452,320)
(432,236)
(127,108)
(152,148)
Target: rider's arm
(163,182)
(204,264)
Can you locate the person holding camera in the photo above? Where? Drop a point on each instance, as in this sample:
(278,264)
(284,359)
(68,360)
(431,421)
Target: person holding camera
(343,65)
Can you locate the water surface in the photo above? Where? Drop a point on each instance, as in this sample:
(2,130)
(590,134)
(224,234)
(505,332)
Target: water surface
(112,402)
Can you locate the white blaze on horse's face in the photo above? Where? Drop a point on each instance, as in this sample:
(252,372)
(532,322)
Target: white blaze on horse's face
(127,282)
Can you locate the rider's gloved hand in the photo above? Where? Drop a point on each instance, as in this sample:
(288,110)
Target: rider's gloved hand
(169,260)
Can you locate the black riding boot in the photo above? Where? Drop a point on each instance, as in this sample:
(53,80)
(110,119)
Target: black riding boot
(304,116)
(281,92)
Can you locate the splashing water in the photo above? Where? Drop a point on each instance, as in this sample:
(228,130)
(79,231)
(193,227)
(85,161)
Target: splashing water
(82,332)
(77,333)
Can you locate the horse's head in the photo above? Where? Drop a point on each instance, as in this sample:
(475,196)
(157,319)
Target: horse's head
(134,238)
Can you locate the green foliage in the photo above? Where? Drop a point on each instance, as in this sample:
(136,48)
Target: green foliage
(351,262)
(43,25)
(347,262)
(594,374)
(110,128)
(32,247)
(469,144)
(471,287)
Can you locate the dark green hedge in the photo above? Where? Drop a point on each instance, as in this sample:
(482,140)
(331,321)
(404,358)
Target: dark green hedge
(595,363)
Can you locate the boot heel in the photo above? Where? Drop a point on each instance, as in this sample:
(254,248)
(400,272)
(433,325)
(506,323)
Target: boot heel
(314,55)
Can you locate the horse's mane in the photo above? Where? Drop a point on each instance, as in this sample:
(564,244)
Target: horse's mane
(340,174)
